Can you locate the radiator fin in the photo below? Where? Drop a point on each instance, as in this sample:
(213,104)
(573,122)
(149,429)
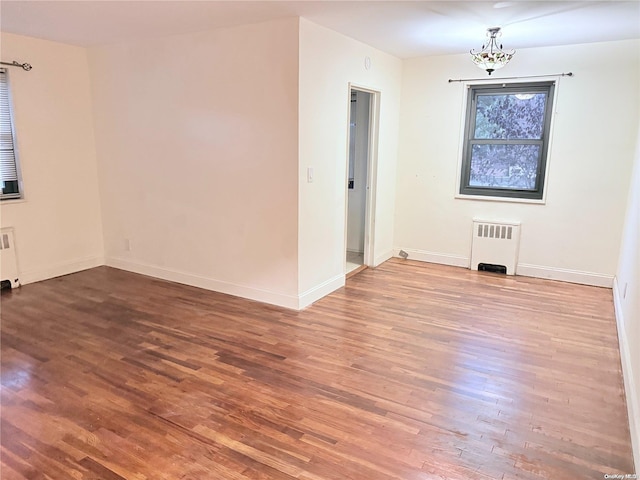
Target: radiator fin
(495,231)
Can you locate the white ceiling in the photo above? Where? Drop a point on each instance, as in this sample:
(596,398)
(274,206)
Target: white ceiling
(404,29)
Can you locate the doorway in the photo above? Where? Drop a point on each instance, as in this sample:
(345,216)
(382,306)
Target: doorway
(358,241)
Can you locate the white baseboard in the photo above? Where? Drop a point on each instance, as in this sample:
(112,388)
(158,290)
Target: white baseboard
(316,293)
(538,271)
(265,296)
(433,257)
(565,275)
(631,389)
(59,269)
(380,259)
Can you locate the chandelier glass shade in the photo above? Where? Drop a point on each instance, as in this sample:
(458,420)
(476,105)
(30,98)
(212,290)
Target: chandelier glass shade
(491,57)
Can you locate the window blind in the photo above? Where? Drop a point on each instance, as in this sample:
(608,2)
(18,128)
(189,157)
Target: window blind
(8,169)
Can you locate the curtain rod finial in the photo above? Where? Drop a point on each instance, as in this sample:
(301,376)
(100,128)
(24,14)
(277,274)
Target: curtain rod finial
(26,66)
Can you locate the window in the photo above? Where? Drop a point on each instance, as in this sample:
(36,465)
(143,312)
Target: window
(9,178)
(506,140)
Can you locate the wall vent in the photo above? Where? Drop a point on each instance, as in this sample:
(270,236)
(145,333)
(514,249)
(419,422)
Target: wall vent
(495,243)
(8,258)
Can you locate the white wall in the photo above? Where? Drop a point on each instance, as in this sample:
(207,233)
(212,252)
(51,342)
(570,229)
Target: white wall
(627,301)
(328,62)
(197,143)
(576,235)
(57,225)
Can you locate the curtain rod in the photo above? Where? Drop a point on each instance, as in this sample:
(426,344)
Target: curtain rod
(25,66)
(569,74)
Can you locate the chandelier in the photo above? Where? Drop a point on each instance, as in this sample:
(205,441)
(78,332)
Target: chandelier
(491,57)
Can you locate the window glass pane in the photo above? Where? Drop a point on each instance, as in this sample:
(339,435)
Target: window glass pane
(504,166)
(8,171)
(10,187)
(510,117)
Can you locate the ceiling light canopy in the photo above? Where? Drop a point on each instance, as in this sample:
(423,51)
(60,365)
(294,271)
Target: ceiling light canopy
(491,57)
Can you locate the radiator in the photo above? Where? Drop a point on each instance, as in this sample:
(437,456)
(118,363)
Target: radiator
(8,258)
(495,243)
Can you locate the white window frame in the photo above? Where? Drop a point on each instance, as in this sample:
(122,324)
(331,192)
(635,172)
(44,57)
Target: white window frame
(466,91)
(6,85)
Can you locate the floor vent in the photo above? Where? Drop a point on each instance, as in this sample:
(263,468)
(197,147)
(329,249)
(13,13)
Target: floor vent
(8,259)
(489,267)
(495,244)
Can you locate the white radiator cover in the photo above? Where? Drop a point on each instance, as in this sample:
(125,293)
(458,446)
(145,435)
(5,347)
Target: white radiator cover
(495,243)
(8,258)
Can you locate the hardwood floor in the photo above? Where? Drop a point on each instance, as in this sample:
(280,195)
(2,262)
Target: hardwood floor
(412,371)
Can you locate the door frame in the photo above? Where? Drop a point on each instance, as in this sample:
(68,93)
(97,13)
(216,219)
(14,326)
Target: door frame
(372,170)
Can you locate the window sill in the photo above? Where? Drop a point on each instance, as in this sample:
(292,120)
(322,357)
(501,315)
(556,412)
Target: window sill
(500,199)
(12,201)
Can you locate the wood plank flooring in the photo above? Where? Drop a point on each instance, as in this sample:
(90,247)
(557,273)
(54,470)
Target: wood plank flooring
(411,371)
